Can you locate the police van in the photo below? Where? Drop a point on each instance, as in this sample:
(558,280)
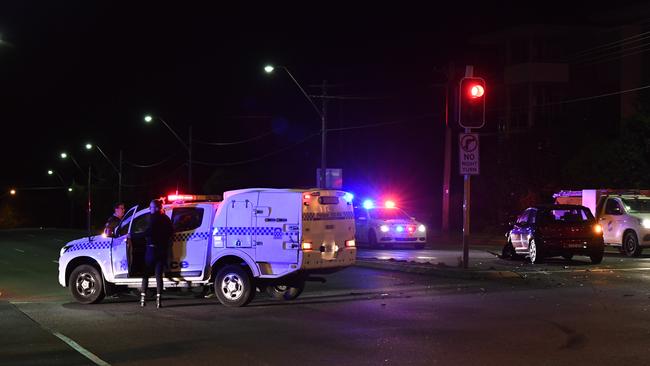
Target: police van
(258,238)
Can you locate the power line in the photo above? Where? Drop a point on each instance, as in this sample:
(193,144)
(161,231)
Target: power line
(259,157)
(613,44)
(166,177)
(379,124)
(255,138)
(136,165)
(644,48)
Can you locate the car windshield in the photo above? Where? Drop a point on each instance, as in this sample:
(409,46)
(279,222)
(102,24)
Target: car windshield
(388,214)
(637,204)
(563,215)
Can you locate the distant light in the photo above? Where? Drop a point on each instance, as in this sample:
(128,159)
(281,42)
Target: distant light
(384,228)
(64,155)
(148,118)
(390,204)
(348,197)
(400,229)
(49,172)
(12,192)
(89,146)
(70,189)
(368,204)
(269,69)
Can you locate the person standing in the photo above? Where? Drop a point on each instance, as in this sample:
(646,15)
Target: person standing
(158,237)
(114,220)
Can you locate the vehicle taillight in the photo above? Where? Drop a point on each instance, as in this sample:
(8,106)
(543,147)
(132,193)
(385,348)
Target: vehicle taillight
(350,243)
(598,229)
(306,246)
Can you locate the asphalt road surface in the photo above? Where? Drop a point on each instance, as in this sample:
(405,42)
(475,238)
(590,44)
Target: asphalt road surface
(557,313)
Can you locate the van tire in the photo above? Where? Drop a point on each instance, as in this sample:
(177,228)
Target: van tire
(233,286)
(631,245)
(86,284)
(285,292)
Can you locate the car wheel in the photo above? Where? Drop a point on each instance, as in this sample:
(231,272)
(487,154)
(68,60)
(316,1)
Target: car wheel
(286,292)
(508,251)
(86,284)
(534,254)
(234,286)
(372,239)
(631,245)
(596,258)
(568,256)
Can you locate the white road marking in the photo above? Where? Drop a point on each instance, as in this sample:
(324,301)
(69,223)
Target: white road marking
(74,345)
(19,250)
(89,355)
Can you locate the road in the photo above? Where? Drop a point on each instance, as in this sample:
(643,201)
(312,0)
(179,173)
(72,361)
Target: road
(555,314)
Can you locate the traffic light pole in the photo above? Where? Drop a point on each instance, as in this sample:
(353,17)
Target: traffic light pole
(469,72)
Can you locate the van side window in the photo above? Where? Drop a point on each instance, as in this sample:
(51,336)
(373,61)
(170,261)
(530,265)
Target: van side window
(523,218)
(612,207)
(187,218)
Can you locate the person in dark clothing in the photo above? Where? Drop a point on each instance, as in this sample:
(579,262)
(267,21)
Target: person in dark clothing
(114,220)
(158,237)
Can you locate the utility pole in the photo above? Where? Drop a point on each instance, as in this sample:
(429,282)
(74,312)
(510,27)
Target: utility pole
(189,162)
(446,181)
(323,158)
(89,197)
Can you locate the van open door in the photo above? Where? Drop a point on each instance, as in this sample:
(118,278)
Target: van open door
(277,228)
(120,245)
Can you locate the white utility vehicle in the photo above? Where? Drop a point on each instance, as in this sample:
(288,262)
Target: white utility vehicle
(271,239)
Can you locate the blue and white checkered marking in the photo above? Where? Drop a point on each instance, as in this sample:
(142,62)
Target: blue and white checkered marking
(276,232)
(90,245)
(189,236)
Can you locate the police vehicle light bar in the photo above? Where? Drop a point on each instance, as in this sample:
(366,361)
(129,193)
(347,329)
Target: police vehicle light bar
(390,204)
(192,197)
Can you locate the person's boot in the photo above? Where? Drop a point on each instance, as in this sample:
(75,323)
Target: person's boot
(158,302)
(142,302)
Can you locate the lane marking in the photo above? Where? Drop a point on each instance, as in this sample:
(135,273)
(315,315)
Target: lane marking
(19,250)
(89,355)
(72,344)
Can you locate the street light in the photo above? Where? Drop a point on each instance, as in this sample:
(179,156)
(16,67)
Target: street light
(52,172)
(89,146)
(148,119)
(323,117)
(64,156)
(12,192)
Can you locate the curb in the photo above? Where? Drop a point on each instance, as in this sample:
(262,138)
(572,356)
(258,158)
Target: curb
(438,271)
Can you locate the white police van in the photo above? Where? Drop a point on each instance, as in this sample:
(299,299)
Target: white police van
(271,239)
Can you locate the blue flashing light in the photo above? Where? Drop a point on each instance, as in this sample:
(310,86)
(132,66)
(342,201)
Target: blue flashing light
(400,229)
(368,204)
(348,197)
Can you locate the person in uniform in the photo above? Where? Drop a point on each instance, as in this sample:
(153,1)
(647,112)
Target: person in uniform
(114,220)
(158,236)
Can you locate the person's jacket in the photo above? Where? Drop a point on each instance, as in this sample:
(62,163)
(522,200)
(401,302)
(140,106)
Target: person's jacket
(158,233)
(111,225)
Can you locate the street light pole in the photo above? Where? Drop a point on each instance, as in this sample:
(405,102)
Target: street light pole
(89,199)
(323,117)
(117,170)
(187,147)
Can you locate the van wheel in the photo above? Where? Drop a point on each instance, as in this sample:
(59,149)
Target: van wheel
(86,284)
(286,292)
(508,251)
(234,286)
(631,245)
(372,239)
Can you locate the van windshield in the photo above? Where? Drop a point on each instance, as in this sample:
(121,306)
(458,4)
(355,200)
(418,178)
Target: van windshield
(640,205)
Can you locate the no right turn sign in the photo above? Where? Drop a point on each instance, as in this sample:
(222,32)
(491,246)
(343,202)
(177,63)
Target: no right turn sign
(468,147)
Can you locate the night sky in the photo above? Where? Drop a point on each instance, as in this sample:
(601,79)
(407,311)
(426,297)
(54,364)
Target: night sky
(76,72)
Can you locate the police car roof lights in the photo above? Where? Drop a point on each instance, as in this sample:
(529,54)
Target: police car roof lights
(389,204)
(192,197)
(368,204)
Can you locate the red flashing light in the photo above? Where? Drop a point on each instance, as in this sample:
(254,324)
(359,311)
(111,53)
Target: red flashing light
(410,229)
(389,204)
(180,197)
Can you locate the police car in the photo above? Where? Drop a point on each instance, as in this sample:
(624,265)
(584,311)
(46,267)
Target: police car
(387,225)
(270,239)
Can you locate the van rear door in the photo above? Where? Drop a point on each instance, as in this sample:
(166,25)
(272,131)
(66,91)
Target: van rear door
(277,231)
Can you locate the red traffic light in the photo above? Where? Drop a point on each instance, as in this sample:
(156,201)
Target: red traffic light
(471,102)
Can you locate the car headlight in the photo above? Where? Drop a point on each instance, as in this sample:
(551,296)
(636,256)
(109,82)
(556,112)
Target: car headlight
(422,228)
(645,223)
(384,228)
